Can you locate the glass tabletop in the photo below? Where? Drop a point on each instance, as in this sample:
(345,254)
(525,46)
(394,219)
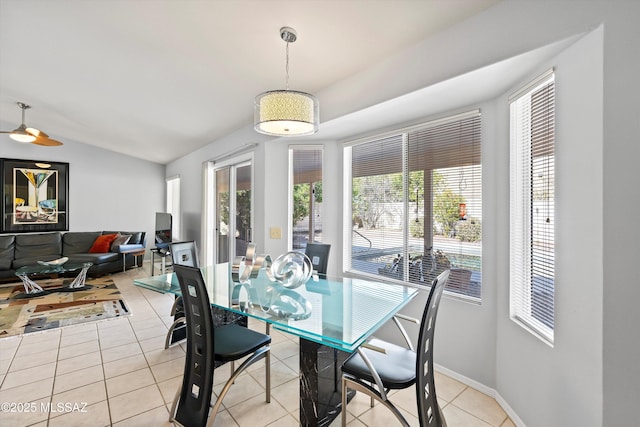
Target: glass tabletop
(35,269)
(336,311)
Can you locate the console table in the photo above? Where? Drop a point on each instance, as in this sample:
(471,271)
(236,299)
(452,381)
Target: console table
(331,316)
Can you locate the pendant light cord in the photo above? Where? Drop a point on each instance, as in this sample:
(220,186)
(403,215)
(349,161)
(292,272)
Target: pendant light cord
(286,68)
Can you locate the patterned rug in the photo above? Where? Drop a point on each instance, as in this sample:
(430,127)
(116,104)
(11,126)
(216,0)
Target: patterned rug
(101,300)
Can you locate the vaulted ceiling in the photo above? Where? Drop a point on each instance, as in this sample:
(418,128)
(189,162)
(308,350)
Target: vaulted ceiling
(157,79)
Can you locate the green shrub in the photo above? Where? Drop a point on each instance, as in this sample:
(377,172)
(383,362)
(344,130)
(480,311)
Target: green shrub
(416,228)
(469,230)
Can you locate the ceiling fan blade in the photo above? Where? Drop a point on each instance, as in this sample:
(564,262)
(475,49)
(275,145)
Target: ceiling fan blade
(47,142)
(37,133)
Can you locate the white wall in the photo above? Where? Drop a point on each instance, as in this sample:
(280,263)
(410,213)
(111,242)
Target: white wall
(107,190)
(573,367)
(591,376)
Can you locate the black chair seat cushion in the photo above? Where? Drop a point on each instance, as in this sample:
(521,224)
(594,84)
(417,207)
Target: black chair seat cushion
(233,342)
(396,367)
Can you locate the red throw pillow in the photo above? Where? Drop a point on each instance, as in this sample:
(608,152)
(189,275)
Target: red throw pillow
(102,244)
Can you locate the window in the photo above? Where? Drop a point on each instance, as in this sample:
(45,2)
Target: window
(415,204)
(173,205)
(532,257)
(306,195)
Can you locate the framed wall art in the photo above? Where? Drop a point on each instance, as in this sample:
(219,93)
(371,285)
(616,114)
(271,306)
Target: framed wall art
(34,196)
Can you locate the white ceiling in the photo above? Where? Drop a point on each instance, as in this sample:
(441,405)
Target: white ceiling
(157,79)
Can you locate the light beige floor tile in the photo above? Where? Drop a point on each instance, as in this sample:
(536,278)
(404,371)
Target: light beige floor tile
(224,419)
(359,404)
(480,405)
(112,323)
(456,417)
(135,402)
(117,340)
(9,347)
(171,369)
(81,396)
(78,378)
(33,415)
(169,388)
(380,416)
(155,343)
(35,359)
(284,350)
(78,349)
(280,373)
(447,388)
(28,392)
(286,421)
(292,362)
(256,412)
(151,322)
(160,356)
(507,423)
(42,337)
(29,375)
(119,329)
(129,382)
(79,362)
(154,331)
(124,365)
(158,417)
(120,352)
(96,415)
(32,347)
(78,338)
(4,366)
(78,329)
(288,395)
(242,389)
(405,399)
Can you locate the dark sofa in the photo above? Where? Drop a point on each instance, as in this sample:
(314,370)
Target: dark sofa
(17,250)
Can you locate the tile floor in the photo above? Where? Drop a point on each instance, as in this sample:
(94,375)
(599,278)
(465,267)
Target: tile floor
(117,373)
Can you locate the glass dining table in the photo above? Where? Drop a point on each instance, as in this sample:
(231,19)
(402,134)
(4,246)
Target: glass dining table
(332,317)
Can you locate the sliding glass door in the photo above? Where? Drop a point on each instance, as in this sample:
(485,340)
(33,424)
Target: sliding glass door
(230,210)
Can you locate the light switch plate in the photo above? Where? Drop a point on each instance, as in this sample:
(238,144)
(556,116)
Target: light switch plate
(275,232)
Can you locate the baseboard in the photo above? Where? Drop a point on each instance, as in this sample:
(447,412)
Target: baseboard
(483,389)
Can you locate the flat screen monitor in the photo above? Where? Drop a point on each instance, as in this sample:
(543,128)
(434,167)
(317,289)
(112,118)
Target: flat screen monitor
(163,229)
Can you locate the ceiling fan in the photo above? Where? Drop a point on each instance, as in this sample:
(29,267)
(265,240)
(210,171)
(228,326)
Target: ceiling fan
(24,134)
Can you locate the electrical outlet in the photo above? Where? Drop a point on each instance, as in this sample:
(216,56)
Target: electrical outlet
(275,232)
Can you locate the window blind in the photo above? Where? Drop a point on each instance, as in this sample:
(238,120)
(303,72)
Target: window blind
(532,216)
(417,204)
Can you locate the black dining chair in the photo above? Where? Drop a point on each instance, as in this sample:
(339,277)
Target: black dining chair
(182,253)
(379,366)
(206,345)
(318,253)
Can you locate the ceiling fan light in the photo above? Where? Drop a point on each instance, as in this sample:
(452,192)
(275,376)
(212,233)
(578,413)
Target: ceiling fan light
(21,135)
(286,113)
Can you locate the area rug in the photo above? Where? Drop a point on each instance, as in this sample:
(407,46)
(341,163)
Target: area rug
(101,300)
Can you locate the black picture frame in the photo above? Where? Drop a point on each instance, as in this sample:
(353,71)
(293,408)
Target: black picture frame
(34,196)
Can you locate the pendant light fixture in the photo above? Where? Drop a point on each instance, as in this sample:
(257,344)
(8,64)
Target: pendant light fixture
(286,112)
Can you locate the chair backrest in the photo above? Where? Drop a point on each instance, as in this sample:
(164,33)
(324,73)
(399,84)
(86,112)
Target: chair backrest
(318,253)
(428,409)
(197,383)
(184,253)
